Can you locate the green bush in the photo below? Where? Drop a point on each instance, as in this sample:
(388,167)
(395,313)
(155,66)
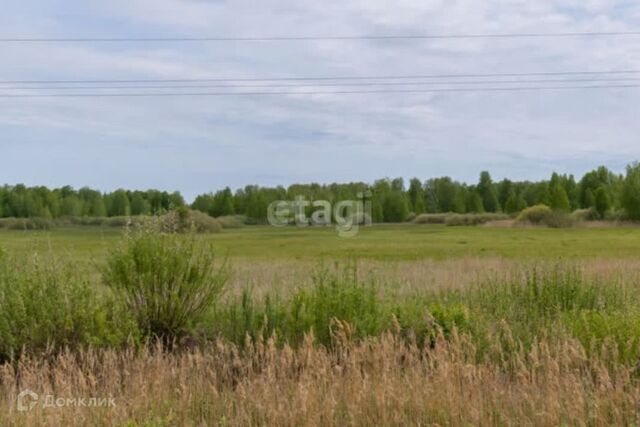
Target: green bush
(559,219)
(581,215)
(185,220)
(544,215)
(168,281)
(46,306)
(536,215)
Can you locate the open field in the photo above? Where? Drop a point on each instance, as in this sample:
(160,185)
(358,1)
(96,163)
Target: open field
(380,242)
(403,256)
(401,325)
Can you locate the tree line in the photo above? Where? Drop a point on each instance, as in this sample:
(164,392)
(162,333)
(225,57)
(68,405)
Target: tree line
(40,202)
(601,191)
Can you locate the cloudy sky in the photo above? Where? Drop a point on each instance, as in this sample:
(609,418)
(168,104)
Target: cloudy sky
(199,144)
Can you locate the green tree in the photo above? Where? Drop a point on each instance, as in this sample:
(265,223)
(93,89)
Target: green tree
(120,205)
(395,207)
(416,196)
(474,202)
(631,192)
(558,199)
(487,192)
(71,206)
(139,205)
(589,200)
(511,204)
(602,202)
(97,207)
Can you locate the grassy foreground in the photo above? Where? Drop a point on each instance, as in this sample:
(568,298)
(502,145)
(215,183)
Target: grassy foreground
(501,337)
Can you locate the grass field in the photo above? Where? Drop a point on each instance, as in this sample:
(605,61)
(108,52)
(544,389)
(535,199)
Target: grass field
(384,242)
(400,325)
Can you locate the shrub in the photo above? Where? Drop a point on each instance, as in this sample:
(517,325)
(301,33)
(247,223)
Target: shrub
(47,306)
(581,215)
(536,215)
(543,215)
(185,220)
(559,219)
(167,280)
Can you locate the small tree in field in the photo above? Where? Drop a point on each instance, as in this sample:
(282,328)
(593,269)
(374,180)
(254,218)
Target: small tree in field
(168,281)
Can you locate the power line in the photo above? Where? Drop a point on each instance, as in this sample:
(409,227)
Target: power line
(346,92)
(321,78)
(312,38)
(357,84)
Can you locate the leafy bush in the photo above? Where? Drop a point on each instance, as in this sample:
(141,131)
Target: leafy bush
(47,306)
(581,215)
(559,219)
(185,220)
(536,215)
(168,281)
(544,215)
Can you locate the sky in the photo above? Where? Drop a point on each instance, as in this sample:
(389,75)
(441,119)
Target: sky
(201,144)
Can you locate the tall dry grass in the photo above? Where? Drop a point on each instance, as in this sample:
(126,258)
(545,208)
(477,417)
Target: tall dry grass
(378,381)
(405,277)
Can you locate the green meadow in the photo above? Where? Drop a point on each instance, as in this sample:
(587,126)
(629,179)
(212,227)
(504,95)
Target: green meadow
(379,242)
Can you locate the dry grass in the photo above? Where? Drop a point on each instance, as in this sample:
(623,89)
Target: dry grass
(406,277)
(381,381)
